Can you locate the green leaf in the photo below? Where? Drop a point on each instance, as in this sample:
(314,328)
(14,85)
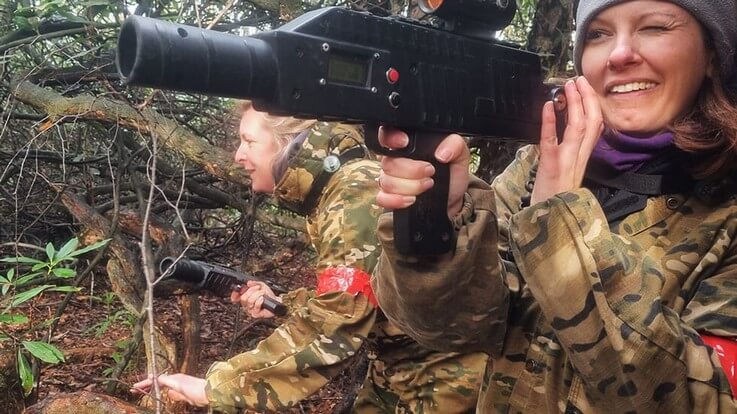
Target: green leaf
(39,266)
(20,259)
(13,319)
(89,248)
(50,251)
(44,351)
(65,289)
(90,3)
(29,294)
(69,247)
(25,279)
(64,273)
(25,374)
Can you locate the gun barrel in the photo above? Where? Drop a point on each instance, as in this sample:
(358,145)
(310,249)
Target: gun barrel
(217,279)
(166,55)
(184,270)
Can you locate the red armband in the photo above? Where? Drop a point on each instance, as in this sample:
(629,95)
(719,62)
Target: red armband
(726,348)
(346,279)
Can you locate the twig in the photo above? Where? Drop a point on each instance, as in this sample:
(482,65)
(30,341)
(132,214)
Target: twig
(221,14)
(147,256)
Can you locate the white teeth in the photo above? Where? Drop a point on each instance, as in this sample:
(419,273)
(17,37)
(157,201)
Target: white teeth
(634,86)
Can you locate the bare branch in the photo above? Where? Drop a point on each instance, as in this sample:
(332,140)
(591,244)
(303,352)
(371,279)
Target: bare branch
(173,136)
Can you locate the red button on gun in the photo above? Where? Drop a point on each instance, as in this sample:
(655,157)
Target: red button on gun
(392,75)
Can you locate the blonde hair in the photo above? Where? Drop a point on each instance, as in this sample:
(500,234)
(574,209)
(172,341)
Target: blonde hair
(285,128)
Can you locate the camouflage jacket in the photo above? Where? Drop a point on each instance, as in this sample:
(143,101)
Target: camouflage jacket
(576,317)
(317,341)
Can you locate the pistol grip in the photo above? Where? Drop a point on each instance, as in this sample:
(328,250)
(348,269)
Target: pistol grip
(274,306)
(422,228)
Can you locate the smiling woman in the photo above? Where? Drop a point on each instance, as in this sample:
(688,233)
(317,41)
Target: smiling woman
(603,261)
(640,77)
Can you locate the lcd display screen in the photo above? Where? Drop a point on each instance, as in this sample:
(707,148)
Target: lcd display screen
(342,69)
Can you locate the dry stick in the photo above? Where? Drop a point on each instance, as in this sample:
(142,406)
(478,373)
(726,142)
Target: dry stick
(148,271)
(221,14)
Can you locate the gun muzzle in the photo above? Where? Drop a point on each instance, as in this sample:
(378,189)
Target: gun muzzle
(172,56)
(217,279)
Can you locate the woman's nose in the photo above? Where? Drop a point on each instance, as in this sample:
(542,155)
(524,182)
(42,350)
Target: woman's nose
(624,53)
(240,153)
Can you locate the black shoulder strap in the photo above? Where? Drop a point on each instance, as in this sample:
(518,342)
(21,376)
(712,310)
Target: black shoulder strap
(322,179)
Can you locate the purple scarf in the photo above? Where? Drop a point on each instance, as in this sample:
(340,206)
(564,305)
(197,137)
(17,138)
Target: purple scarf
(619,152)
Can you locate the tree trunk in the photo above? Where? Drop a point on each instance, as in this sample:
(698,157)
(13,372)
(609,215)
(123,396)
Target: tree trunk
(550,35)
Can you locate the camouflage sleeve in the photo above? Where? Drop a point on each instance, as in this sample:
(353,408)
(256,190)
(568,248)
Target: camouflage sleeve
(448,302)
(602,294)
(460,301)
(297,359)
(295,299)
(343,229)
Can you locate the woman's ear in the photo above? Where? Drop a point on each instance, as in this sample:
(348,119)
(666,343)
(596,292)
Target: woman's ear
(711,64)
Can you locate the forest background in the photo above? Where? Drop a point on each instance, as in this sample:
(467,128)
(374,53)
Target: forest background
(99,181)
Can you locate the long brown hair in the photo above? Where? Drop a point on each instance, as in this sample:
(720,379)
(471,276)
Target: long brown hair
(710,129)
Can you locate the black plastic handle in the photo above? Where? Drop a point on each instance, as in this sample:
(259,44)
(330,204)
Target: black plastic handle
(422,228)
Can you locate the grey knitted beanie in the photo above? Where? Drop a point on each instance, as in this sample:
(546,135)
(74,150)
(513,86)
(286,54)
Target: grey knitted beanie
(719,17)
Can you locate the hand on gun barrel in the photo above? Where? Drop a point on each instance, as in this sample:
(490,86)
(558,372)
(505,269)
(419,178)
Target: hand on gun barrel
(218,279)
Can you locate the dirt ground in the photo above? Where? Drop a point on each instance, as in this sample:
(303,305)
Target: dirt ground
(95,328)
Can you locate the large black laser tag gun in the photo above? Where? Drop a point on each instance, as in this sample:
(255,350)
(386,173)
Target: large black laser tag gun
(338,64)
(218,279)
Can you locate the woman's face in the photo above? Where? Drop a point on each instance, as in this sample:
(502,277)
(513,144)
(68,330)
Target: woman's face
(257,150)
(646,60)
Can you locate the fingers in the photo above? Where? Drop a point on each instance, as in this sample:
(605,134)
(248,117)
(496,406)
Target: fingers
(594,121)
(403,179)
(452,149)
(549,145)
(252,299)
(392,138)
(563,164)
(145,386)
(142,387)
(235,296)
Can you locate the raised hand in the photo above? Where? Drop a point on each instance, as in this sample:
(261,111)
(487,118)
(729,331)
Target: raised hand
(562,165)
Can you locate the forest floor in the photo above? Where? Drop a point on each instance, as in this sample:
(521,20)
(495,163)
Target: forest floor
(95,328)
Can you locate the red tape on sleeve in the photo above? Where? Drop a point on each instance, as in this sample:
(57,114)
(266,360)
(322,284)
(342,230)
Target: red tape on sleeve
(346,279)
(726,348)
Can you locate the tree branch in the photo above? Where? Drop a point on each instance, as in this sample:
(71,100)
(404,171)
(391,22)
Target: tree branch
(173,136)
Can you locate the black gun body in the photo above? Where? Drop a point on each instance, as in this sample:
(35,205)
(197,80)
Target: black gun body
(337,64)
(215,278)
